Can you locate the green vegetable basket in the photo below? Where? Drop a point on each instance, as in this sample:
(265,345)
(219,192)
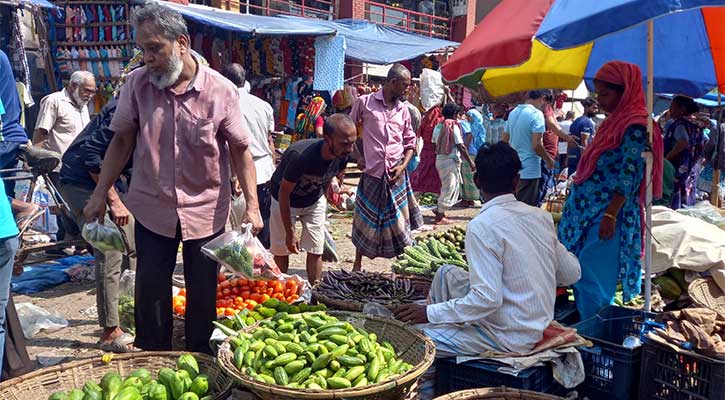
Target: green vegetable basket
(40,384)
(410,344)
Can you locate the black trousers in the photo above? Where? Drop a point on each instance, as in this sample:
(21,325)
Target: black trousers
(156,260)
(265,202)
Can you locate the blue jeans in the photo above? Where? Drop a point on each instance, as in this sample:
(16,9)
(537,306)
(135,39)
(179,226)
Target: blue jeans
(8,247)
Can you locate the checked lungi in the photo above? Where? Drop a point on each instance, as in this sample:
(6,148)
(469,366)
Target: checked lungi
(385,215)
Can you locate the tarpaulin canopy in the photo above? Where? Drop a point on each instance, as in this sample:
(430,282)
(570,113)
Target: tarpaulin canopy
(378,44)
(39,3)
(247,24)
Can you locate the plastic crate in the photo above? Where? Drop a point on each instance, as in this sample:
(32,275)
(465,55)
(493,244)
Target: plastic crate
(671,375)
(565,311)
(612,370)
(452,377)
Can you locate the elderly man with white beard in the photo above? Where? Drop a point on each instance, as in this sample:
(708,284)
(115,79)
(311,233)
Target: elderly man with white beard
(181,121)
(62,116)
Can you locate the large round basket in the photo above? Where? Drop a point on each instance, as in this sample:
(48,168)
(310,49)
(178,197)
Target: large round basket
(409,343)
(40,384)
(705,292)
(499,393)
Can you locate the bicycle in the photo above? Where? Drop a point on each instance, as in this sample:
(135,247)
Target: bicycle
(37,163)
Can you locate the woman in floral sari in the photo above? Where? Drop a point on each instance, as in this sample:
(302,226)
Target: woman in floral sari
(684,148)
(601,223)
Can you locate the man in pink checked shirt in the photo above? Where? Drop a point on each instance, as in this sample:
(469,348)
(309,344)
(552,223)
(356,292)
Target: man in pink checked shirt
(181,121)
(386,210)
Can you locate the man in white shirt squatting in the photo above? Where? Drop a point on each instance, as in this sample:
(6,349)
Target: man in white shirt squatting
(516,261)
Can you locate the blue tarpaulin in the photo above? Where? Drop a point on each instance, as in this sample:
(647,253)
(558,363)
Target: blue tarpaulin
(40,3)
(378,44)
(247,24)
(39,277)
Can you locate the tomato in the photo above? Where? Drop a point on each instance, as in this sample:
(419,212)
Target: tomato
(261,284)
(292,298)
(182,292)
(235,290)
(238,300)
(219,295)
(224,284)
(234,282)
(245,282)
(220,311)
(256,297)
(278,286)
(221,277)
(245,295)
(278,296)
(264,298)
(226,292)
(229,312)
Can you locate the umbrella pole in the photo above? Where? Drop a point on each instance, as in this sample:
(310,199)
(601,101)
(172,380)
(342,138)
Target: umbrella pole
(715,191)
(648,156)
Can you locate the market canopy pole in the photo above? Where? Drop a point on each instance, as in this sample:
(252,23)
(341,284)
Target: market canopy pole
(649,161)
(715,191)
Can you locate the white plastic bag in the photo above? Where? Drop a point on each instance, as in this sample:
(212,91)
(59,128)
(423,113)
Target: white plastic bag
(104,237)
(34,319)
(239,208)
(242,254)
(432,90)
(47,222)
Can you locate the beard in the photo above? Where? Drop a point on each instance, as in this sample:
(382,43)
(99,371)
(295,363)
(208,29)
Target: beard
(171,73)
(76,95)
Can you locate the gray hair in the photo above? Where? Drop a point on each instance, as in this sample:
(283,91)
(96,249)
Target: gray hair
(169,22)
(79,77)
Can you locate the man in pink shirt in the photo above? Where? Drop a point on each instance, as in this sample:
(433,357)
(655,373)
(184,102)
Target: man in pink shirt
(386,210)
(181,120)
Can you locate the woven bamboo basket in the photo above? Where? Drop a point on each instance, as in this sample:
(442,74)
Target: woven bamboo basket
(40,384)
(499,393)
(411,346)
(706,293)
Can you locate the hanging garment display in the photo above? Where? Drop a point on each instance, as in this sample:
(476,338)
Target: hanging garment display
(329,63)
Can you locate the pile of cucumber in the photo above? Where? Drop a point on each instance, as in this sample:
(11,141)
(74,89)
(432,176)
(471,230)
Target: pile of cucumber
(427,256)
(314,351)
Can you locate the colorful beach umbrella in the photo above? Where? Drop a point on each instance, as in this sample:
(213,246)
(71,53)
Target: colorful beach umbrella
(529,44)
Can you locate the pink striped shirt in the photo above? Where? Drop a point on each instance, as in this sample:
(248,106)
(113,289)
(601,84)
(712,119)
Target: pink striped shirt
(181,161)
(386,134)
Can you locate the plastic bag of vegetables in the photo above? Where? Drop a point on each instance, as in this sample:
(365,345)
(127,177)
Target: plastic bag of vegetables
(104,237)
(242,254)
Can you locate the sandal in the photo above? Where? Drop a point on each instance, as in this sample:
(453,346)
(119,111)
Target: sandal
(443,221)
(121,344)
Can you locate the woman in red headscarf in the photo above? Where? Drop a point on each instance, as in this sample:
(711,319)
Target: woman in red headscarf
(602,220)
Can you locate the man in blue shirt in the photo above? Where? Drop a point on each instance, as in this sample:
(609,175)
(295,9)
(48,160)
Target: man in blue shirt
(8,247)
(524,130)
(582,128)
(12,134)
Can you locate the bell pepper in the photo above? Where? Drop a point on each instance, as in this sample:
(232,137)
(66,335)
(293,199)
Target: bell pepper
(188,363)
(188,396)
(200,385)
(111,385)
(128,393)
(133,381)
(158,391)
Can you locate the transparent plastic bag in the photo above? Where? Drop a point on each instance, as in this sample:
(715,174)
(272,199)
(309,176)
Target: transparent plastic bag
(126,304)
(104,237)
(242,254)
(238,209)
(34,319)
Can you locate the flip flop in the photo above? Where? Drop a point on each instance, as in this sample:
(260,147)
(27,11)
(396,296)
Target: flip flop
(24,222)
(120,344)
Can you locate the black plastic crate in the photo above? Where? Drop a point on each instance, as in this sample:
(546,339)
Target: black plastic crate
(671,375)
(612,370)
(451,377)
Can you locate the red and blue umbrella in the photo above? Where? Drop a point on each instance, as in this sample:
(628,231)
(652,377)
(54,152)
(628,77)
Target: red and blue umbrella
(529,44)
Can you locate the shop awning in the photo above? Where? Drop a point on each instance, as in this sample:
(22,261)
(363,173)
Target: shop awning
(378,44)
(39,3)
(247,24)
